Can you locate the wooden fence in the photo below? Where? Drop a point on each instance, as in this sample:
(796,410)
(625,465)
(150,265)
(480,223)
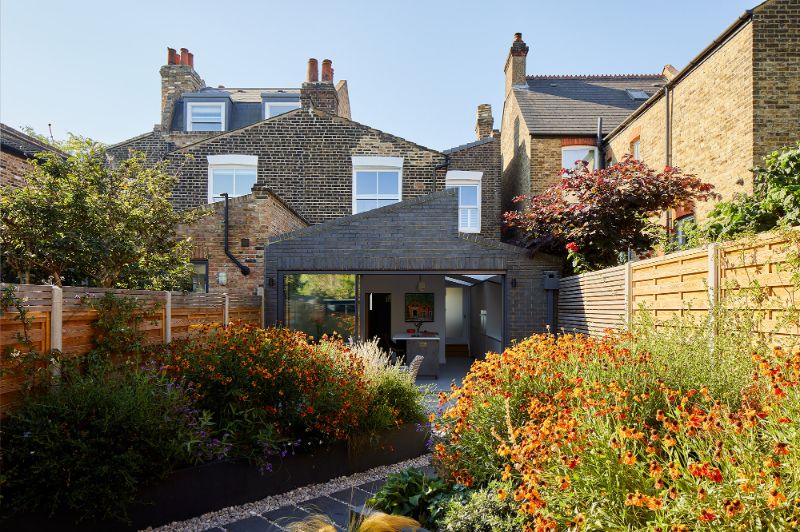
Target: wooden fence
(686,284)
(61,320)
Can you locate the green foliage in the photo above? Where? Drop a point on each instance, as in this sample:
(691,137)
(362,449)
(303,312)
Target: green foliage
(117,325)
(484,511)
(87,446)
(80,219)
(395,400)
(592,217)
(414,494)
(775,199)
(333,286)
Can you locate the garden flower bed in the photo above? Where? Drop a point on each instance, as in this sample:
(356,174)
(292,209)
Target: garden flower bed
(573,432)
(229,416)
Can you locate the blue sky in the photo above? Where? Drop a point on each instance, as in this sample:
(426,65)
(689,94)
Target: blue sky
(417,69)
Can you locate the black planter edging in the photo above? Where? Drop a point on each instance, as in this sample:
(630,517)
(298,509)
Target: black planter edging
(193,491)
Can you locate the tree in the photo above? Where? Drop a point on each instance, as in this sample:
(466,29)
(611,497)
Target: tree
(775,199)
(592,217)
(79,219)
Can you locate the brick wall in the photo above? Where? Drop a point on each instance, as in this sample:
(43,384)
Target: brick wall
(711,112)
(545,162)
(252,220)
(305,158)
(515,154)
(12,169)
(485,158)
(418,235)
(776,75)
(175,81)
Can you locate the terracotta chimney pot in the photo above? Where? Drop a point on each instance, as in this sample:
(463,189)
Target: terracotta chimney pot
(313,71)
(327,71)
(184,56)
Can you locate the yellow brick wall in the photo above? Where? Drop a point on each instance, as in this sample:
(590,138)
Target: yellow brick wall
(545,162)
(712,122)
(515,153)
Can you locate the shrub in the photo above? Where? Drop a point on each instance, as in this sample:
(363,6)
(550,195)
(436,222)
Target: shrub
(274,390)
(414,494)
(604,433)
(87,446)
(483,511)
(395,399)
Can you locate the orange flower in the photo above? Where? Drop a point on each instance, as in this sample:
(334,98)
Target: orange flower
(775,499)
(781,448)
(706,516)
(628,458)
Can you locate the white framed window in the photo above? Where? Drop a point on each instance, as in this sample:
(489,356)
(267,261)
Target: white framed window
(278,108)
(234,174)
(635,149)
(377,182)
(570,155)
(205,116)
(469,198)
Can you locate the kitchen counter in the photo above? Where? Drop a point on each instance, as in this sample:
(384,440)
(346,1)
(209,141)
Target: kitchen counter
(422,336)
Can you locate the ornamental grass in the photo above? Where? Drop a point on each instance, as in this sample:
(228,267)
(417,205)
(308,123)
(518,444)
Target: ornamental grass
(608,434)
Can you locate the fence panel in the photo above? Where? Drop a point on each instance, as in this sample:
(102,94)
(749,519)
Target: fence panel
(592,302)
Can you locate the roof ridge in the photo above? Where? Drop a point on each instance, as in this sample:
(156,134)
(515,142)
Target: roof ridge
(472,144)
(592,76)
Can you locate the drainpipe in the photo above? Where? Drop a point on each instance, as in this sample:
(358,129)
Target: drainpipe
(601,156)
(667,145)
(244,269)
(445,164)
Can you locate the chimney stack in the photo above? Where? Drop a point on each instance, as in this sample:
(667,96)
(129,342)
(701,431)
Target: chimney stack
(515,63)
(320,94)
(177,77)
(313,71)
(484,122)
(327,71)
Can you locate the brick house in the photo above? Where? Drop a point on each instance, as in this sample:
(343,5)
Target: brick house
(364,194)
(736,101)
(16,151)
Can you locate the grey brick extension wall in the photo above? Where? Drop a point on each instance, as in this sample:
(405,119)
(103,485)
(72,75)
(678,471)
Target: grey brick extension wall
(417,235)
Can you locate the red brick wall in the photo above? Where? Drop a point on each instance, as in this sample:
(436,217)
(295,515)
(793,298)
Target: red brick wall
(255,217)
(12,169)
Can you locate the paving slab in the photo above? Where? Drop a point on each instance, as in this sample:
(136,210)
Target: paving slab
(372,487)
(285,515)
(352,496)
(251,524)
(337,512)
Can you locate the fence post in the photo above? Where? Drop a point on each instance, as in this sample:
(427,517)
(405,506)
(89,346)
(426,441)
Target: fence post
(167,317)
(56,325)
(226,310)
(628,292)
(56,318)
(713,291)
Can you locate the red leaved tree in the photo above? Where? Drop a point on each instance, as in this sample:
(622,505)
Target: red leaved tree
(594,217)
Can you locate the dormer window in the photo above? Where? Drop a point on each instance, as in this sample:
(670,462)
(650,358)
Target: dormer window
(278,108)
(205,116)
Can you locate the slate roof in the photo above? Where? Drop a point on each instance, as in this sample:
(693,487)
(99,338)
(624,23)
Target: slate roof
(480,142)
(245,107)
(22,144)
(570,105)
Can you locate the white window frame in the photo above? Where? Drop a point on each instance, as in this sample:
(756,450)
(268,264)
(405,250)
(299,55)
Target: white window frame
(228,162)
(191,105)
(268,107)
(457,178)
(636,148)
(364,163)
(582,147)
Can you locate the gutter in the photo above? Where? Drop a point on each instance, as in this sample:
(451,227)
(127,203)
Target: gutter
(699,59)
(242,268)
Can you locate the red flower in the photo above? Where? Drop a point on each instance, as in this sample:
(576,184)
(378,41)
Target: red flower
(572,247)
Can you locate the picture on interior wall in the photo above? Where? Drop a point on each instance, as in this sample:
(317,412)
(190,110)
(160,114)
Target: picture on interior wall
(419,307)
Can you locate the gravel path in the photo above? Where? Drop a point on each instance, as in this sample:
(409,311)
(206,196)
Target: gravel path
(251,516)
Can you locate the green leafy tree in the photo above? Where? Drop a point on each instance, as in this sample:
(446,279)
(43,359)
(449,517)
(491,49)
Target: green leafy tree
(592,217)
(80,219)
(775,199)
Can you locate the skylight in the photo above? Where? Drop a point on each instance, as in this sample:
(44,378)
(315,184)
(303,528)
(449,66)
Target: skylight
(636,94)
